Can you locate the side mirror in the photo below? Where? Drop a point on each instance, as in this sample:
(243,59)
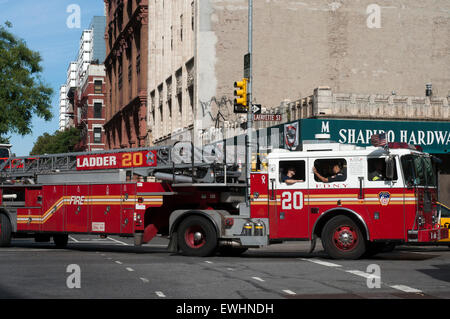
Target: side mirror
(390,168)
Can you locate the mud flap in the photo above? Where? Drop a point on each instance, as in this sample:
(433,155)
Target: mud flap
(313,244)
(173,244)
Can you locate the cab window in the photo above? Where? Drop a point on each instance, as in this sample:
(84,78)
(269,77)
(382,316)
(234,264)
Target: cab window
(330,170)
(376,170)
(297,168)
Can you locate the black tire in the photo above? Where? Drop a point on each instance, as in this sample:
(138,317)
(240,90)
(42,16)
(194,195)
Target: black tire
(5,231)
(343,239)
(61,240)
(205,244)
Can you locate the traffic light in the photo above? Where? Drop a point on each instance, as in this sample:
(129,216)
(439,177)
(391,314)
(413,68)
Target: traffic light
(240,92)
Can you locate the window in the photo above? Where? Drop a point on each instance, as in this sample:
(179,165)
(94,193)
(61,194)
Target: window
(192,15)
(330,170)
(376,169)
(181,28)
(98,87)
(98,110)
(97,134)
(292,171)
(120,74)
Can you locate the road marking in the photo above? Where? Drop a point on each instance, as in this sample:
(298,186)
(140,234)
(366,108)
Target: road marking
(129,269)
(73,239)
(230,269)
(118,241)
(160,294)
(406,289)
(289,292)
(144,279)
(363,274)
(321,262)
(155,245)
(209,262)
(118,262)
(258,279)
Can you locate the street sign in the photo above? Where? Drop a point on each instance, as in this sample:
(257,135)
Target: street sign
(268,117)
(256,108)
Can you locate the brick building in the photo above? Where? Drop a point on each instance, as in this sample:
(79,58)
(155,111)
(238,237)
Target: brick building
(82,97)
(90,108)
(126,39)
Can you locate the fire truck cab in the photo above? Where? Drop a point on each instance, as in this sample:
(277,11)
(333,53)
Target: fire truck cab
(355,199)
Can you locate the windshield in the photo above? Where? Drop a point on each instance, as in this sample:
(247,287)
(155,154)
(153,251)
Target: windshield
(4,153)
(418,170)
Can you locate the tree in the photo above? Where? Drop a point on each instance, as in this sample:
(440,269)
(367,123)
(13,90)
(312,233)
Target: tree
(22,92)
(57,143)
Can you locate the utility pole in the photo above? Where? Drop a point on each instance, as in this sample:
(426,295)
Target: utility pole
(249,99)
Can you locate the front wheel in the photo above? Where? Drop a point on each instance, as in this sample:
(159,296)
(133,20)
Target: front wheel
(197,237)
(343,239)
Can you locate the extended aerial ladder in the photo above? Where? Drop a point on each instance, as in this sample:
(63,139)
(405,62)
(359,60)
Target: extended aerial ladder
(181,163)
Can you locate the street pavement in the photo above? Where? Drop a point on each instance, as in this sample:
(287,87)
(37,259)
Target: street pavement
(109,268)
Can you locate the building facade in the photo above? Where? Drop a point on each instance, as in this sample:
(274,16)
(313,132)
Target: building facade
(126,39)
(82,97)
(197,48)
(90,108)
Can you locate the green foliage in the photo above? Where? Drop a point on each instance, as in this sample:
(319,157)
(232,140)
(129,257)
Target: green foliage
(22,92)
(59,142)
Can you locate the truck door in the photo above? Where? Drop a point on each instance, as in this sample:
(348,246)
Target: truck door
(127,210)
(288,209)
(105,212)
(77,210)
(52,202)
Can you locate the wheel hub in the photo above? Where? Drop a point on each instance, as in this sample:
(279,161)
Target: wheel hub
(195,237)
(345,238)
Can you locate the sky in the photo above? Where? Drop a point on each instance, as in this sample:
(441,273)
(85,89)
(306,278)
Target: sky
(44,26)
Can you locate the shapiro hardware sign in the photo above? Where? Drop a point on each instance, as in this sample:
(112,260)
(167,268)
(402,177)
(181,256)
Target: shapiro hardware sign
(433,137)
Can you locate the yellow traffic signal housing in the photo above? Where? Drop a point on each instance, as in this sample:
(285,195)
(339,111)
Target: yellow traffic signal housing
(240,102)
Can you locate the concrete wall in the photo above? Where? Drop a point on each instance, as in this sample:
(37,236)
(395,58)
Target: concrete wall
(360,47)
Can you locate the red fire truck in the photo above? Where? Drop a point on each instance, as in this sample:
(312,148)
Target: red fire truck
(356,200)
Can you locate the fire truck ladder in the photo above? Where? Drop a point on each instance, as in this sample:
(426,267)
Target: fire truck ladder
(176,170)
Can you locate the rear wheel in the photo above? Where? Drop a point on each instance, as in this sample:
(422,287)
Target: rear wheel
(5,231)
(343,239)
(197,237)
(61,240)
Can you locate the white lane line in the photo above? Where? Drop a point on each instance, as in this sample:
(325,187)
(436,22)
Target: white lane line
(144,279)
(208,262)
(321,262)
(363,274)
(406,289)
(118,241)
(160,294)
(73,239)
(289,292)
(258,279)
(118,262)
(155,245)
(129,269)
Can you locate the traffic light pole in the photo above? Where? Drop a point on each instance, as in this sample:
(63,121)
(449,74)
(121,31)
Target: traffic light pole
(249,100)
